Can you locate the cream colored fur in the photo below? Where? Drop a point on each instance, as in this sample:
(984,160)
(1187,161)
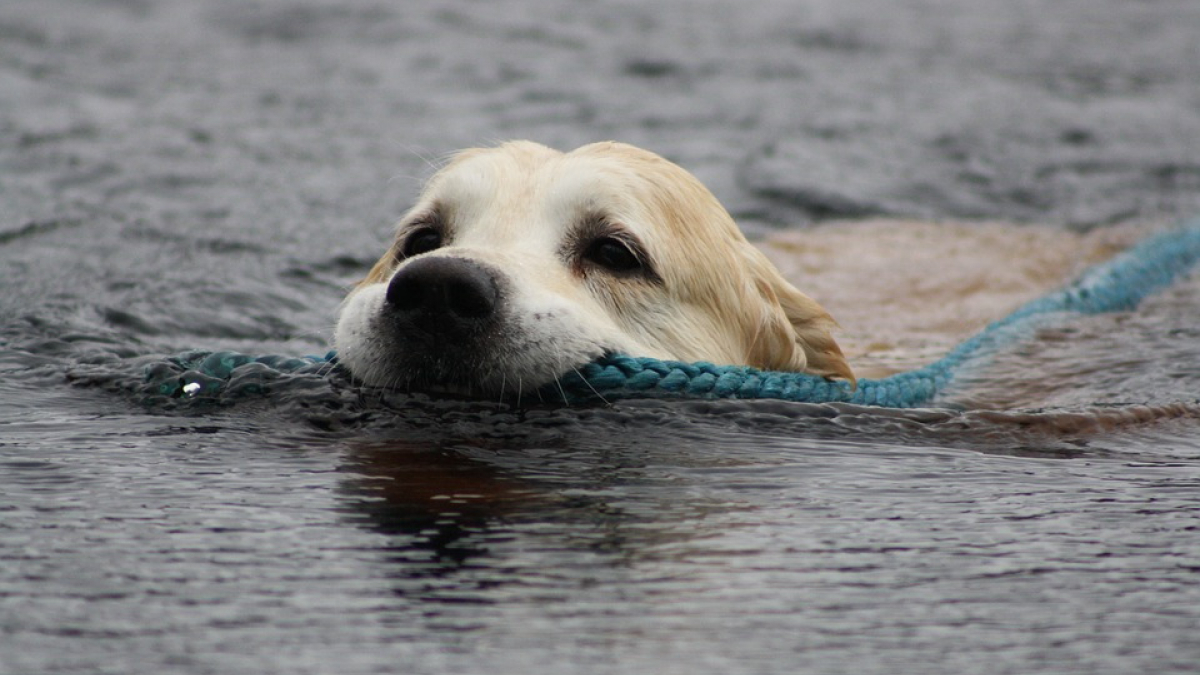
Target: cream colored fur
(517,207)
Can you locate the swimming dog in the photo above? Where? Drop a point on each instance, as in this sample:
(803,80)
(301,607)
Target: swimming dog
(519,263)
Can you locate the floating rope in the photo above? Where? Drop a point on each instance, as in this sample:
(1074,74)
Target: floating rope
(1116,285)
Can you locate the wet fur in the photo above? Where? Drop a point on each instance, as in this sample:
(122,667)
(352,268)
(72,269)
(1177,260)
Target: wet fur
(519,208)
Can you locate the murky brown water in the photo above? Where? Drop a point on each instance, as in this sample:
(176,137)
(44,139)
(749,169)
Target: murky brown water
(906,292)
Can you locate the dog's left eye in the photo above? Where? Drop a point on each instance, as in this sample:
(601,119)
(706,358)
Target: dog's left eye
(612,254)
(423,240)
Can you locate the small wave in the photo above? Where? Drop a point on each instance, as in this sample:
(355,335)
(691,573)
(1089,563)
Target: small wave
(324,398)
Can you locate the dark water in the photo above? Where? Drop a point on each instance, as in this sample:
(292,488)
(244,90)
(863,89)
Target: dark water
(215,174)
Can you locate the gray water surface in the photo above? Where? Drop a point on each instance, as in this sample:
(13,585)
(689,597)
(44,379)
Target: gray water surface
(181,174)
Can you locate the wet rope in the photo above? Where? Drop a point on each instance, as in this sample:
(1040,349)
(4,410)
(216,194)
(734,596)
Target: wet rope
(1119,284)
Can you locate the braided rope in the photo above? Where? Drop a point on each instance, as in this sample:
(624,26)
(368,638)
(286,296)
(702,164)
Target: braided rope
(1116,285)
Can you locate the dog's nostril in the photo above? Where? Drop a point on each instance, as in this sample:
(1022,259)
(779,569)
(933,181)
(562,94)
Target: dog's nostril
(469,299)
(448,287)
(405,292)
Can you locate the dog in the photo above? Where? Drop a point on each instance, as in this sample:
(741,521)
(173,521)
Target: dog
(519,263)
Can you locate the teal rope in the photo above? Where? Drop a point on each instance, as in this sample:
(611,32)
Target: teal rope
(1116,285)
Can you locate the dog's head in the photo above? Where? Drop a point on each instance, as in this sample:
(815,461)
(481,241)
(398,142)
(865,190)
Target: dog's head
(519,263)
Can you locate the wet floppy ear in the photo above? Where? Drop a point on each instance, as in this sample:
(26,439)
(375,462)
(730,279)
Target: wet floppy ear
(796,331)
(814,337)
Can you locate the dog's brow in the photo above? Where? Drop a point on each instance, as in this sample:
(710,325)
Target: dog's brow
(432,217)
(594,225)
(435,215)
(589,226)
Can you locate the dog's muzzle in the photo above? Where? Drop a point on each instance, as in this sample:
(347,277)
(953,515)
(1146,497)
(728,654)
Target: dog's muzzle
(443,298)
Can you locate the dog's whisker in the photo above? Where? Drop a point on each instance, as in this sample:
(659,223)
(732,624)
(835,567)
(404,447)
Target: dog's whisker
(562,391)
(589,384)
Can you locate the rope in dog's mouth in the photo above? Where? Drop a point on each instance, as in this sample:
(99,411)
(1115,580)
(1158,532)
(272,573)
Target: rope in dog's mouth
(1119,284)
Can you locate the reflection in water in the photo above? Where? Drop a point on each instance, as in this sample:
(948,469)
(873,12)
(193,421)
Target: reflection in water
(428,491)
(481,510)
(510,494)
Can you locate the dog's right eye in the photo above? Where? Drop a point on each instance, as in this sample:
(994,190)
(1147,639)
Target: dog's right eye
(423,240)
(612,254)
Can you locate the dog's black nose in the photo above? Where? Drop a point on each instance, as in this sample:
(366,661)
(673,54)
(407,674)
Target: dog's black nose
(441,293)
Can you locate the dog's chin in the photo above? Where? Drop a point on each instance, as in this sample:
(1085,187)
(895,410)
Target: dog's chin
(503,375)
(439,376)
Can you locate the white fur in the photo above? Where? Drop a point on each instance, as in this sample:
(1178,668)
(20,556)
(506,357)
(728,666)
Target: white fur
(515,209)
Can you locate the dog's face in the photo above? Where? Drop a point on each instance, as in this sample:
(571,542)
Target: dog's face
(519,263)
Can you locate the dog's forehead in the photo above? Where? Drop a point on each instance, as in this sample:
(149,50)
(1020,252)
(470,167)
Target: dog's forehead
(527,195)
(502,195)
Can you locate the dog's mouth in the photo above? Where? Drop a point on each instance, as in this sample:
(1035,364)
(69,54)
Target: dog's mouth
(498,380)
(420,370)
(501,367)
(448,325)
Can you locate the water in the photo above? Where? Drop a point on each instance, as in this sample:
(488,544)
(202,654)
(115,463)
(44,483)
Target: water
(651,538)
(215,175)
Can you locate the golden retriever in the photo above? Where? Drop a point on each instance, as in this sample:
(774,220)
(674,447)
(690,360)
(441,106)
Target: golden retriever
(520,263)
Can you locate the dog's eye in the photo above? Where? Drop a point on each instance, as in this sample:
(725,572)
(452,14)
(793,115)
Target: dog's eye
(612,254)
(423,240)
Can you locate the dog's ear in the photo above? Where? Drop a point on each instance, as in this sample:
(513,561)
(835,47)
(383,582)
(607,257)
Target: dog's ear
(814,338)
(795,333)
